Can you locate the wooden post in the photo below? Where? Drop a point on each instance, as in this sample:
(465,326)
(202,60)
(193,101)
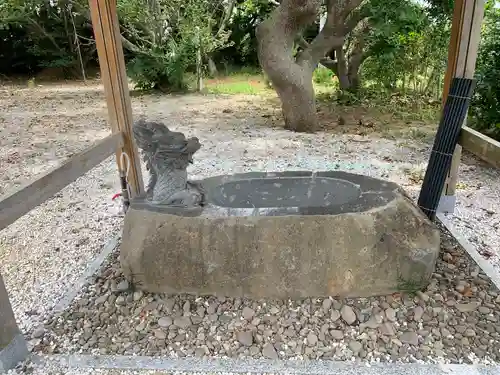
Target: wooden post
(13,347)
(114,77)
(462,54)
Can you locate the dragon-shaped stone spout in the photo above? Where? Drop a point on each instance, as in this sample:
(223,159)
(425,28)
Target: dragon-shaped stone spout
(167,155)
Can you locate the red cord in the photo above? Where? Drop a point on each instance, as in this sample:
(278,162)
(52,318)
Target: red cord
(116,196)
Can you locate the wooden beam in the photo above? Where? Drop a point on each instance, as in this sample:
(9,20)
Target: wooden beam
(464,44)
(114,77)
(485,148)
(453,47)
(17,204)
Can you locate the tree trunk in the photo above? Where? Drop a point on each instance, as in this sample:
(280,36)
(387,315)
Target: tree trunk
(290,75)
(212,68)
(356,59)
(298,102)
(291,79)
(342,71)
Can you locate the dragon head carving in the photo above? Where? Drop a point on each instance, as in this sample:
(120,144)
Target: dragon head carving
(167,155)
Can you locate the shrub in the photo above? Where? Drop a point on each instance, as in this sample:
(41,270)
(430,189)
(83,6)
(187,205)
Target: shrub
(485,112)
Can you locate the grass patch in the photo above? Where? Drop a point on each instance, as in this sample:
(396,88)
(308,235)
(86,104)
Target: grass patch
(236,84)
(409,287)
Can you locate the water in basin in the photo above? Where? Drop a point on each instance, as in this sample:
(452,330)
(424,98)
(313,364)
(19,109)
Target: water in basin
(285,192)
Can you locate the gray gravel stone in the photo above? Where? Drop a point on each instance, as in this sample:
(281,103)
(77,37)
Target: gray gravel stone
(390,314)
(245,338)
(38,332)
(409,338)
(355,346)
(182,322)
(468,307)
(312,339)
(122,286)
(418,312)
(269,351)
(165,321)
(335,315)
(247,313)
(348,314)
(327,304)
(337,334)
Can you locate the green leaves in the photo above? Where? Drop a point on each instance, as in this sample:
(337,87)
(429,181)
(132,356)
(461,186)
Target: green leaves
(486,101)
(165,35)
(407,47)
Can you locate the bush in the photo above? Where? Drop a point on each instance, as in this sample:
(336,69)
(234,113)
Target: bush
(323,76)
(485,105)
(162,70)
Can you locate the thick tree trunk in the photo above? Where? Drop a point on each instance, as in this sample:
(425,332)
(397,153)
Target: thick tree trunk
(290,75)
(291,79)
(298,102)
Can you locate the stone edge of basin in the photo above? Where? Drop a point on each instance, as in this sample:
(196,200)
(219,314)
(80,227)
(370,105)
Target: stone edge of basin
(374,192)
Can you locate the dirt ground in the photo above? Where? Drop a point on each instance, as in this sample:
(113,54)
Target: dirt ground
(42,126)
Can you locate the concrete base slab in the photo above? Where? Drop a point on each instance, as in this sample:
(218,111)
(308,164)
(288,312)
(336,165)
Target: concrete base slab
(447,204)
(229,366)
(14,353)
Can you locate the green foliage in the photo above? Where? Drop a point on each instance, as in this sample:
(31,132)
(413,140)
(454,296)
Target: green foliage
(245,17)
(486,102)
(48,34)
(406,48)
(323,76)
(164,37)
(159,70)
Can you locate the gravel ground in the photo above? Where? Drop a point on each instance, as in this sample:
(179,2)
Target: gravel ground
(44,253)
(457,318)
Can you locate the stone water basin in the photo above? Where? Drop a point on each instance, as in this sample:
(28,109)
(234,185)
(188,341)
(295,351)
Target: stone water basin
(282,235)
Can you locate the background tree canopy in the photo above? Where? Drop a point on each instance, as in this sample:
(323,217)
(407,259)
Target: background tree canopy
(387,46)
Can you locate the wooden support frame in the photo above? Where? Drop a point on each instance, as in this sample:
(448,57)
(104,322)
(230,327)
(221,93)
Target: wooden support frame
(462,54)
(17,204)
(113,74)
(112,63)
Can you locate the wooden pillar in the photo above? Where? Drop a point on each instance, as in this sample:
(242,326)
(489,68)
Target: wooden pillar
(13,347)
(462,54)
(114,77)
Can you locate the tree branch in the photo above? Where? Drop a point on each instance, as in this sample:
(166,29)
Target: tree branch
(329,63)
(349,7)
(44,32)
(333,33)
(127,44)
(302,42)
(228,11)
(355,18)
